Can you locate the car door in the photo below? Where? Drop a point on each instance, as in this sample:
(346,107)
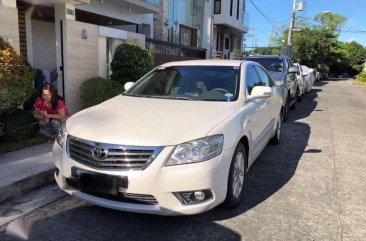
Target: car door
(270,107)
(255,114)
(292,82)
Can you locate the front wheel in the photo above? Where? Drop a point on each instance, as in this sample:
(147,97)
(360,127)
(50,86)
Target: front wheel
(236,177)
(300,98)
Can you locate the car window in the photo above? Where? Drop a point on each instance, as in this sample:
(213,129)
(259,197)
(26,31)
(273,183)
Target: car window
(252,79)
(275,64)
(263,76)
(209,83)
(286,65)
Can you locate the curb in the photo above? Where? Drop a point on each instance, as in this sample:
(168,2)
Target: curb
(359,83)
(27,184)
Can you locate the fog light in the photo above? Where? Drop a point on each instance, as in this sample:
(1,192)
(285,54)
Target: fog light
(199,195)
(193,197)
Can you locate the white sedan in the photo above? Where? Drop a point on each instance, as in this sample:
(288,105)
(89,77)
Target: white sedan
(179,141)
(309,77)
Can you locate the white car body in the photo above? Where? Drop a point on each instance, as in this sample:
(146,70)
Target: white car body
(161,125)
(309,77)
(301,79)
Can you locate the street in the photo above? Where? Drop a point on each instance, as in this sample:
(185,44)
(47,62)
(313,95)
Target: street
(310,187)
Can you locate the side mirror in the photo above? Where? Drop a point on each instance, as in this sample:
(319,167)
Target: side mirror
(128,85)
(261,92)
(293,70)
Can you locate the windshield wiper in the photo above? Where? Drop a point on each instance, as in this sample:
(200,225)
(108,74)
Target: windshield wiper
(159,96)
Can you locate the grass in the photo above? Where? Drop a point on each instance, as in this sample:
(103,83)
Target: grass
(17,145)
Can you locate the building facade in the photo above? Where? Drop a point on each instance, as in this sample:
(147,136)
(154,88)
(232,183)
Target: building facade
(215,25)
(73,40)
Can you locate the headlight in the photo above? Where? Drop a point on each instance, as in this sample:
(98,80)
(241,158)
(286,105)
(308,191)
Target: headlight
(60,138)
(197,151)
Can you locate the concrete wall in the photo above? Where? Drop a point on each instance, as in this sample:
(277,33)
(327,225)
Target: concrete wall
(82,60)
(9,23)
(44,45)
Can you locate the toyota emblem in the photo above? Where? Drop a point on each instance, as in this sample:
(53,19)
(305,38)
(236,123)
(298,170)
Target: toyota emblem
(99,153)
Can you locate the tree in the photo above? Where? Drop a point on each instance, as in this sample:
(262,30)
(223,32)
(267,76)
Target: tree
(130,62)
(331,21)
(16,78)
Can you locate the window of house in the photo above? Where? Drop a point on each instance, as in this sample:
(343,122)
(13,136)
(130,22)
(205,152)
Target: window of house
(231,7)
(187,36)
(217,7)
(237,9)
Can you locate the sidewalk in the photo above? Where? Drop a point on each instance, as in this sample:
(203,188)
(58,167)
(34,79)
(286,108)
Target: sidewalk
(24,170)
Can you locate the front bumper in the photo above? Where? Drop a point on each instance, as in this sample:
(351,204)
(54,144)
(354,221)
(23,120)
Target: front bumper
(157,180)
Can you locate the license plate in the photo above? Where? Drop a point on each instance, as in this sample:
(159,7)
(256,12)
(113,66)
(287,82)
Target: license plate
(91,182)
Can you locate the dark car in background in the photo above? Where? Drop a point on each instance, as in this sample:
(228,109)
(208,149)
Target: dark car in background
(280,67)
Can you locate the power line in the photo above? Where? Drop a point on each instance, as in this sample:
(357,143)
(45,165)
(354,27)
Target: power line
(265,16)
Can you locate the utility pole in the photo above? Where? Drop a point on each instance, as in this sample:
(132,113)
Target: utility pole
(290,30)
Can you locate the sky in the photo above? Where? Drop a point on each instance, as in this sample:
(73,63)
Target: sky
(280,12)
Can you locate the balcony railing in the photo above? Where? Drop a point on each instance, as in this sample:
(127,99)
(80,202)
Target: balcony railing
(167,48)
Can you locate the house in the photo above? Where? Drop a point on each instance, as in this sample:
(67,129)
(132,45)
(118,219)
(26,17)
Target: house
(73,40)
(215,25)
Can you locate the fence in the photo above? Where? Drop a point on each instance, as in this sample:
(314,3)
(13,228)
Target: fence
(166,51)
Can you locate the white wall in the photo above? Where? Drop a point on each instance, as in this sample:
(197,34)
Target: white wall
(225,18)
(44,45)
(9,29)
(114,11)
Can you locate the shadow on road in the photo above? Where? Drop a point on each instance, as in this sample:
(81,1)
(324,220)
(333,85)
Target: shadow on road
(271,171)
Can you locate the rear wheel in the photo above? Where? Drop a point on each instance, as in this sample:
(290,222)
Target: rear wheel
(236,177)
(286,109)
(276,138)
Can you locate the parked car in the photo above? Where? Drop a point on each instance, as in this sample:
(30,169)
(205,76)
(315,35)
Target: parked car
(278,67)
(309,77)
(301,79)
(179,141)
(343,76)
(323,75)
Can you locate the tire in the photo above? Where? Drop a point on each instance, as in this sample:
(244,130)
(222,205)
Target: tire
(300,98)
(237,177)
(286,109)
(293,106)
(275,140)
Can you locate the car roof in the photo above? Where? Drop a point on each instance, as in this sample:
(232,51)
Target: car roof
(204,62)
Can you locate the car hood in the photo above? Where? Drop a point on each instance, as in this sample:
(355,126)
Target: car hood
(277,76)
(148,121)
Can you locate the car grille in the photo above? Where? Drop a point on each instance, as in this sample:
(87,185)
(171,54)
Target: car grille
(116,156)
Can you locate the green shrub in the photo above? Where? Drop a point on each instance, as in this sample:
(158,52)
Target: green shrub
(16,78)
(96,90)
(130,62)
(19,125)
(362,76)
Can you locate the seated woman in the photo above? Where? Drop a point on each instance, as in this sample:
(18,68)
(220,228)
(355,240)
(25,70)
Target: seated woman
(50,110)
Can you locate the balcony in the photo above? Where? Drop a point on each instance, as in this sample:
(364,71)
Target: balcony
(143,6)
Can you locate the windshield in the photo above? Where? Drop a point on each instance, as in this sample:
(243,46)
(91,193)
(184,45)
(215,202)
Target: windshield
(210,83)
(270,64)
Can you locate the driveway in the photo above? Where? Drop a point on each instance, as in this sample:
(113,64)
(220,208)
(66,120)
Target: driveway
(310,187)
